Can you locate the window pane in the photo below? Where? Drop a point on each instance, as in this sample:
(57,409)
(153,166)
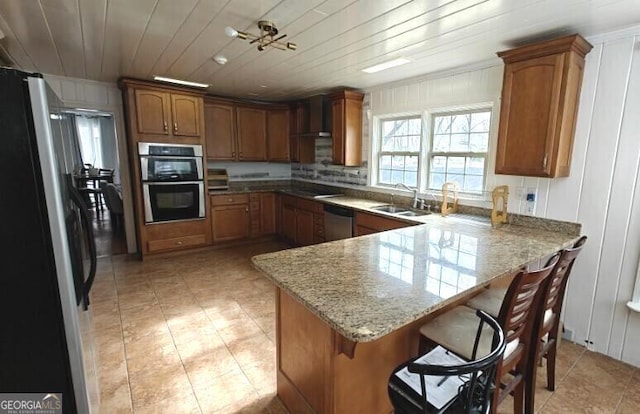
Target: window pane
(397,176)
(402,127)
(438,164)
(441,143)
(414,143)
(456,178)
(475,166)
(411,163)
(436,180)
(415,126)
(472,183)
(442,124)
(385,176)
(455,165)
(460,123)
(480,121)
(385,161)
(411,178)
(460,142)
(398,162)
(479,142)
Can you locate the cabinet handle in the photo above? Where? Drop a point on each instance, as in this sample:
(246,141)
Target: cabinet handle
(230,200)
(175,127)
(166,127)
(544,161)
(246,209)
(179,243)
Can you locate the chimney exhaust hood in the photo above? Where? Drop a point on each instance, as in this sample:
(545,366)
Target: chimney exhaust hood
(319,117)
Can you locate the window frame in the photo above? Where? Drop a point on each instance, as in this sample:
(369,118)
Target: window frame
(380,153)
(430,154)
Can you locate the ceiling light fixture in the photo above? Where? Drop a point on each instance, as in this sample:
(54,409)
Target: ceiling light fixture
(220,60)
(268,33)
(181,82)
(386,65)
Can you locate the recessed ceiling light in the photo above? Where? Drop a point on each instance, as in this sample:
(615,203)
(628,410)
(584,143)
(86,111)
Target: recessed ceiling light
(386,65)
(181,82)
(220,60)
(263,86)
(253,94)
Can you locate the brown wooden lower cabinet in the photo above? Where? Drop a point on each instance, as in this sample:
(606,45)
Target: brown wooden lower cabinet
(304,227)
(371,223)
(230,217)
(165,237)
(288,220)
(315,375)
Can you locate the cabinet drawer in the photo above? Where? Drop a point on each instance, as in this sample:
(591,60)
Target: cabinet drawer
(227,200)
(176,243)
(379,223)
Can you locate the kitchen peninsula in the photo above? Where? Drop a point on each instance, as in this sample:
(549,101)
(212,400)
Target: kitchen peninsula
(349,311)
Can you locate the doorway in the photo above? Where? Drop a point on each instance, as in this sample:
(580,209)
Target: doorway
(97,172)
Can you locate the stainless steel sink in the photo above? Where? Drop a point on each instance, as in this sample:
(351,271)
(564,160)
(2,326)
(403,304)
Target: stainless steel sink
(390,209)
(413,213)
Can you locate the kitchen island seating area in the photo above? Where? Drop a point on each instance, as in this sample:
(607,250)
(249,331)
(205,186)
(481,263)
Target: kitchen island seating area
(546,327)
(474,395)
(453,330)
(531,306)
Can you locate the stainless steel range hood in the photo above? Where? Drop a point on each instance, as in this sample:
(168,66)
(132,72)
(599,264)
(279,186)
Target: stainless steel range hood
(319,117)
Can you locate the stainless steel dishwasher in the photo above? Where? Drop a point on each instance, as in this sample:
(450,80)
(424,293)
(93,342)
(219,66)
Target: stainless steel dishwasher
(338,222)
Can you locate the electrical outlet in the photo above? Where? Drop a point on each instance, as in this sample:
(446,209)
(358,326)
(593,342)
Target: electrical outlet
(530,198)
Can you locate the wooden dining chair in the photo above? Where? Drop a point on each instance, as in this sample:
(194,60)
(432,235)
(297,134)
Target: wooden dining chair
(453,329)
(546,328)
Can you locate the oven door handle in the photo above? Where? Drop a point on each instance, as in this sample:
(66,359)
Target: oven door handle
(171,182)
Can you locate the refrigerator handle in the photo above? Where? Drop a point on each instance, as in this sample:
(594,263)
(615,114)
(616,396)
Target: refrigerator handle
(88,231)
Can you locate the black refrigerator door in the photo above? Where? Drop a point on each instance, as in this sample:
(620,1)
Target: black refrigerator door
(82,247)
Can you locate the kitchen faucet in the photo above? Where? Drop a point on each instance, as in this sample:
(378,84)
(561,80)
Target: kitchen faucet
(414,204)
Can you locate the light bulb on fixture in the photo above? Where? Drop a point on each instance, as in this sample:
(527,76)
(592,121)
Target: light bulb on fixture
(230,31)
(220,60)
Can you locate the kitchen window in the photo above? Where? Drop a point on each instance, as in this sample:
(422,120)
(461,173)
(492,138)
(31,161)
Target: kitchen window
(456,150)
(399,155)
(459,146)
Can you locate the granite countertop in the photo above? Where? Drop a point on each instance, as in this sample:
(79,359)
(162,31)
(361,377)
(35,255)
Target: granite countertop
(368,286)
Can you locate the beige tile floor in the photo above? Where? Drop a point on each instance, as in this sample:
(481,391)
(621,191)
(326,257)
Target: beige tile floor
(195,334)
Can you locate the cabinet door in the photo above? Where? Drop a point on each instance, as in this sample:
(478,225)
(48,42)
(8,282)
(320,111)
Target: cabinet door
(220,132)
(267,213)
(304,227)
(528,116)
(185,112)
(278,135)
(288,222)
(252,134)
(152,112)
(230,222)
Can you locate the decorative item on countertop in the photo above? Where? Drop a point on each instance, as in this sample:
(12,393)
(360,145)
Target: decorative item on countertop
(449,198)
(500,195)
(217,179)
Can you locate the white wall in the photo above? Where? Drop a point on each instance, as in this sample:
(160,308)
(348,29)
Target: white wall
(602,192)
(106,97)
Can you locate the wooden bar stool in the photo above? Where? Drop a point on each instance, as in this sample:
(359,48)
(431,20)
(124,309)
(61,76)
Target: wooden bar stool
(453,329)
(546,326)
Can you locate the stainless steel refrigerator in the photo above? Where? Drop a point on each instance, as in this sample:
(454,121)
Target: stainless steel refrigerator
(48,252)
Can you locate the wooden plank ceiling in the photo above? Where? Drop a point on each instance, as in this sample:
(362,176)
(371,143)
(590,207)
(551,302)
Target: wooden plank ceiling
(106,39)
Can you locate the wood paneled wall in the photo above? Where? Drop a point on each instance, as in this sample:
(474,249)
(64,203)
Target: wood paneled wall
(602,192)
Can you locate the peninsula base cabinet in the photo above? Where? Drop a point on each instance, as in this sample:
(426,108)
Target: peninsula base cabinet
(320,371)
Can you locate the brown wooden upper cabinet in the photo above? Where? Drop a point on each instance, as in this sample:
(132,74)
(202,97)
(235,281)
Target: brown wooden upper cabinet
(347,127)
(251,125)
(278,135)
(540,94)
(220,131)
(301,149)
(164,113)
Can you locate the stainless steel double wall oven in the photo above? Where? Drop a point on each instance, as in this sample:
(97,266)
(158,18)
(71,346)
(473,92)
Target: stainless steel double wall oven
(172,181)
